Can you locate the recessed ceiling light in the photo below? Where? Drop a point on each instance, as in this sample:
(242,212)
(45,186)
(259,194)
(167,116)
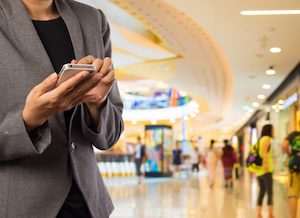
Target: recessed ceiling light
(261,97)
(266,86)
(275,50)
(270,12)
(255,104)
(280,101)
(133,122)
(270,71)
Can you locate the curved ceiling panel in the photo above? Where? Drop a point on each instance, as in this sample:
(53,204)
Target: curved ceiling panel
(202,70)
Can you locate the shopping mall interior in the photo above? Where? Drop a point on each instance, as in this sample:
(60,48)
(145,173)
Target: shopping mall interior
(194,71)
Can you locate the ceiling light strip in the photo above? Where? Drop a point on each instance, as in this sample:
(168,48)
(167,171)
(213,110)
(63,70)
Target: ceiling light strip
(270,12)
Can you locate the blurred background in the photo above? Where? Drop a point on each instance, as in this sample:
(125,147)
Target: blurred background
(189,72)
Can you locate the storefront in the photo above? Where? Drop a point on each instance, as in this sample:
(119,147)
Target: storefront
(282,109)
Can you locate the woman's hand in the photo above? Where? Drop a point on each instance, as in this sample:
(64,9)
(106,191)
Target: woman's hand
(95,97)
(98,94)
(43,101)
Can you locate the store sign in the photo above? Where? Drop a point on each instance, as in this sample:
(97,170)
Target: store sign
(290,100)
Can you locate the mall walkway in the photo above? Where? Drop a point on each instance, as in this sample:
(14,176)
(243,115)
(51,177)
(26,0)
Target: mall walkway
(189,198)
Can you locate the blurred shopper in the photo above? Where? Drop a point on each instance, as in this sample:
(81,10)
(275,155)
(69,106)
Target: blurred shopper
(139,158)
(264,174)
(47,132)
(291,145)
(177,157)
(212,158)
(195,159)
(228,158)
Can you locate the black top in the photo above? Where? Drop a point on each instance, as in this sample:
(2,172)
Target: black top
(56,40)
(57,43)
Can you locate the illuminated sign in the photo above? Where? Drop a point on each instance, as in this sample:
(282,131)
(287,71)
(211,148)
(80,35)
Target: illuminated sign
(290,100)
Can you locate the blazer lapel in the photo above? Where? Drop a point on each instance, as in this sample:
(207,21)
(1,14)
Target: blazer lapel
(73,26)
(28,42)
(26,38)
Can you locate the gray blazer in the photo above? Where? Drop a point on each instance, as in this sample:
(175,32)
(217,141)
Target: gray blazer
(35,174)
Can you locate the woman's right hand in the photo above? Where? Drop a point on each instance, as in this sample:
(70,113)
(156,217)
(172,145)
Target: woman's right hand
(43,101)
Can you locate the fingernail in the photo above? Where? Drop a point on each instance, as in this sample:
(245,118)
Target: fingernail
(53,76)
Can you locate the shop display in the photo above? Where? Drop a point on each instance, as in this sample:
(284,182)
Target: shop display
(158,141)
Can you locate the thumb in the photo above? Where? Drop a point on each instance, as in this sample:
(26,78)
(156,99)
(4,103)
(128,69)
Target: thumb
(48,84)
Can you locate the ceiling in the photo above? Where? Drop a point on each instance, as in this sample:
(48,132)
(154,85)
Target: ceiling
(206,48)
(245,41)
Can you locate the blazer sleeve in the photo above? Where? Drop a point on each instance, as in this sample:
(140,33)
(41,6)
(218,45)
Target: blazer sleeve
(16,143)
(111,123)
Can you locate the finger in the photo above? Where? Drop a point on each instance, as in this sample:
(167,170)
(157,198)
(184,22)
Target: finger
(109,77)
(106,67)
(74,61)
(84,87)
(101,94)
(76,101)
(86,60)
(98,63)
(46,85)
(69,84)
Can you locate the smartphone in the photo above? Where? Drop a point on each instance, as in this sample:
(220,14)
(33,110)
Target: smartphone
(69,70)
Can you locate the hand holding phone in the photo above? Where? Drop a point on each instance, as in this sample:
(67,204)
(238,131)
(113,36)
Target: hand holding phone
(43,101)
(99,93)
(69,70)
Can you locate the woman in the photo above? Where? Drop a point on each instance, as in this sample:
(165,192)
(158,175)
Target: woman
(195,159)
(264,175)
(211,162)
(228,157)
(47,164)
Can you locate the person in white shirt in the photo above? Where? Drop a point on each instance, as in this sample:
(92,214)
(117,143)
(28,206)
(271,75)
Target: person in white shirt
(211,162)
(195,159)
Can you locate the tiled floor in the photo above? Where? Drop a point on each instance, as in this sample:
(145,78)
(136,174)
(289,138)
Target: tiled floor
(189,197)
